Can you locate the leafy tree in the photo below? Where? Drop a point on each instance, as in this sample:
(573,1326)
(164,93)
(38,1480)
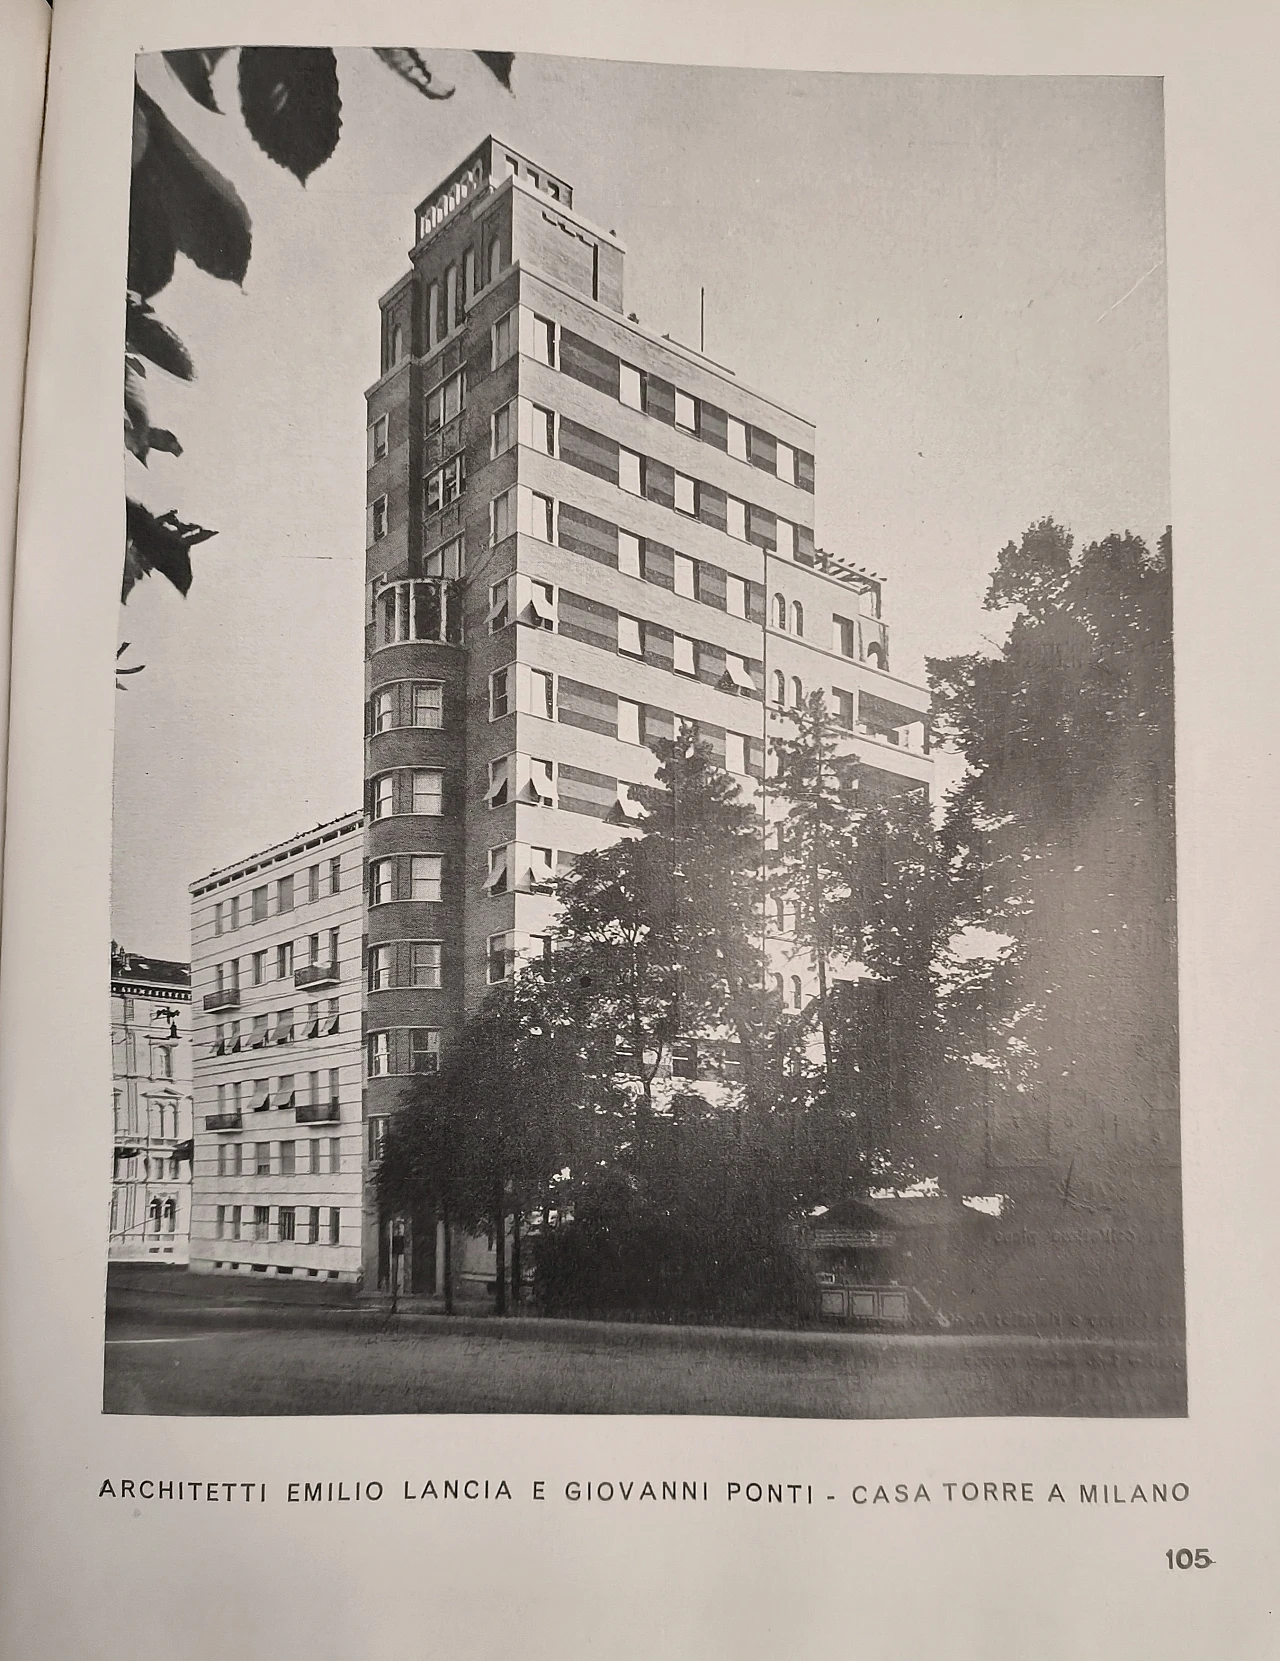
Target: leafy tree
(291,105)
(658,933)
(1063,826)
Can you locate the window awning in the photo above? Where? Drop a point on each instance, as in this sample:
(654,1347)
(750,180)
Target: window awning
(496,881)
(735,675)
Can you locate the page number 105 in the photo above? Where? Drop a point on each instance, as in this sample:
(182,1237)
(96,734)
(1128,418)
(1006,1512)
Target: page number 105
(1188,1559)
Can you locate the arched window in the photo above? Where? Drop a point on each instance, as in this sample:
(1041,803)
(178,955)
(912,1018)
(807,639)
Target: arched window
(397,344)
(779,986)
(797,691)
(797,992)
(779,688)
(797,617)
(788,917)
(875,654)
(153,1216)
(779,611)
(170,1216)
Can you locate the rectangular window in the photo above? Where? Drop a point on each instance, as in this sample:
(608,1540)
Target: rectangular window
(786,462)
(424,1050)
(335,1155)
(313,1221)
(428,704)
(686,574)
(542,606)
(445,561)
(844,707)
(631,387)
(424,963)
(497,881)
(786,539)
(544,341)
(685,659)
(381,882)
(446,402)
(500,955)
(286,1220)
(629,640)
(217,917)
(384,796)
(428,791)
(686,495)
(380,959)
(384,718)
(469,274)
(736,674)
(844,636)
(541,692)
(288,1159)
(504,429)
(538,515)
(222,1216)
(284,960)
(504,333)
(426,877)
(261,1222)
(335,1216)
(335,874)
(502,516)
(377,1138)
(313,1163)
(735,753)
(379,1054)
(686,411)
(284,894)
(499,605)
(378,515)
(433,315)
(629,471)
(736,518)
(378,439)
(222,1153)
(284,1027)
(262,1159)
(453,308)
(260,904)
(235,912)
(235,1222)
(259,962)
(628,721)
(735,596)
(500,688)
(499,792)
(542,430)
(629,554)
(737,439)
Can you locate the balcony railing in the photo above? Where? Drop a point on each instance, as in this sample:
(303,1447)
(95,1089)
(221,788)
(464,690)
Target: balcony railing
(223,1121)
(316,974)
(316,1113)
(227,997)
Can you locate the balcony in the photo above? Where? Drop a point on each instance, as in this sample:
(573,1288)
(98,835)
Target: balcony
(227,997)
(316,974)
(316,1113)
(223,1121)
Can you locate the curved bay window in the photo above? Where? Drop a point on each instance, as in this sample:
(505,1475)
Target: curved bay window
(426,609)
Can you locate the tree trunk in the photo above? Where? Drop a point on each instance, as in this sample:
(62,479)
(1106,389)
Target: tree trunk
(516,1283)
(500,1251)
(448,1261)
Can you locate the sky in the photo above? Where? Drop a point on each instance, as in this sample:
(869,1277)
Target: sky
(959,279)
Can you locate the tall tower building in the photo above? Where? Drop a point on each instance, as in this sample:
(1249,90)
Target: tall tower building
(580,534)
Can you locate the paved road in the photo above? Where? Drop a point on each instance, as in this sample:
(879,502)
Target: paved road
(246,1361)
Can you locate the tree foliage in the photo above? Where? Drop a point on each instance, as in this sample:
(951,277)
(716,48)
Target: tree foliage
(290,102)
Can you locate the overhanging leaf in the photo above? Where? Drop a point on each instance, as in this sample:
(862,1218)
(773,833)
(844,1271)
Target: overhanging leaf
(499,66)
(158,543)
(179,202)
(194,68)
(146,335)
(291,105)
(409,64)
(137,427)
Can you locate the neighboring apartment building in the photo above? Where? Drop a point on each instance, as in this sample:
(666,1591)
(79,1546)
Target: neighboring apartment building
(579,535)
(278,1179)
(151,1108)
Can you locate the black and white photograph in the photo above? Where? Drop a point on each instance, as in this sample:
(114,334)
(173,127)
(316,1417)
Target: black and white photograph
(644,831)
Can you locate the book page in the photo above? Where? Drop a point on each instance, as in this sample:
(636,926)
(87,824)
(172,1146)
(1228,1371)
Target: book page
(622,943)
(26,32)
